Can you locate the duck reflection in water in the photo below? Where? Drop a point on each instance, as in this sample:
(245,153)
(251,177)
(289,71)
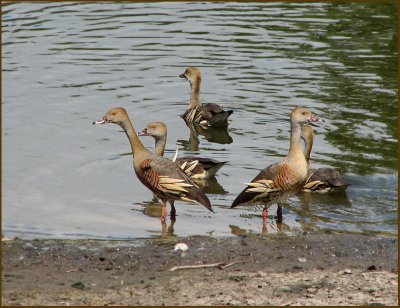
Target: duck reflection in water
(329,199)
(275,223)
(216,134)
(210,186)
(153,209)
(313,204)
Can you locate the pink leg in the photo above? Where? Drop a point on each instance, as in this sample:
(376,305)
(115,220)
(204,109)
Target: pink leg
(163,227)
(163,210)
(265,216)
(173,211)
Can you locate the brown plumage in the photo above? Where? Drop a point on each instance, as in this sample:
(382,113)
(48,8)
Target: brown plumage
(162,176)
(210,114)
(320,180)
(281,179)
(194,167)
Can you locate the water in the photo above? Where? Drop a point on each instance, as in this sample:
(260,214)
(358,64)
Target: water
(65,64)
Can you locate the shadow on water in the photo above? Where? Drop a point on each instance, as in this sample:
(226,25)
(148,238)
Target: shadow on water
(274,225)
(210,186)
(312,204)
(218,134)
(192,144)
(150,208)
(308,199)
(212,134)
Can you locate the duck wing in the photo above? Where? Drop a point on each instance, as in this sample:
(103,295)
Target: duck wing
(262,189)
(199,166)
(325,179)
(215,114)
(193,115)
(166,179)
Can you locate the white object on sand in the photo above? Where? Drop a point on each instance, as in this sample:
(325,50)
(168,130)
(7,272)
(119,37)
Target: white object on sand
(181,246)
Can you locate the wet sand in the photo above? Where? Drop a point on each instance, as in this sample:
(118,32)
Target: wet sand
(318,269)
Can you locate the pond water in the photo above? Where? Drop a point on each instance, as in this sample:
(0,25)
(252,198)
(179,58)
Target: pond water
(65,64)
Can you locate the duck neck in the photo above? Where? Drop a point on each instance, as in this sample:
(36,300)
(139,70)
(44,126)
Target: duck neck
(195,93)
(308,147)
(136,145)
(295,150)
(160,145)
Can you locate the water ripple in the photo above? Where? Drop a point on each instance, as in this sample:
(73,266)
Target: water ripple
(65,64)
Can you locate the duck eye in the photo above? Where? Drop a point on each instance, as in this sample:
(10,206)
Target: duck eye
(114,113)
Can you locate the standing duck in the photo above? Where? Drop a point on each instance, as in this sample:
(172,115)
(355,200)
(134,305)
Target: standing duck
(322,180)
(194,167)
(162,176)
(281,179)
(210,114)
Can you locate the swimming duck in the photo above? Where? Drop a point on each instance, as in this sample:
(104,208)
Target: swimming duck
(194,167)
(159,174)
(322,180)
(210,114)
(284,178)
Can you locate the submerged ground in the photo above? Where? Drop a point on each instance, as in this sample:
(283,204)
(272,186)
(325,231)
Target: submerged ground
(324,269)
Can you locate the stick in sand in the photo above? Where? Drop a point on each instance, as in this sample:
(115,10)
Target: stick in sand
(221,265)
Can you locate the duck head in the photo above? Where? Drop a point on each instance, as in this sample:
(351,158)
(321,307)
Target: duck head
(303,115)
(154,129)
(192,74)
(115,115)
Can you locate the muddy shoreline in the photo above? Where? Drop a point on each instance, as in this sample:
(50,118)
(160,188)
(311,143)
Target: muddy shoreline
(310,269)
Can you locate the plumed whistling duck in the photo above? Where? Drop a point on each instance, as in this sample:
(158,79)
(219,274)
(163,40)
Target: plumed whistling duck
(161,175)
(283,178)
(194,167)
(322,180)
(210,114)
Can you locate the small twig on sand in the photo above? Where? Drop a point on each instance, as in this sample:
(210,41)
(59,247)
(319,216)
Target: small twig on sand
(220,265)
(72,270)
(196,266)
(229,264)
(287,304)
